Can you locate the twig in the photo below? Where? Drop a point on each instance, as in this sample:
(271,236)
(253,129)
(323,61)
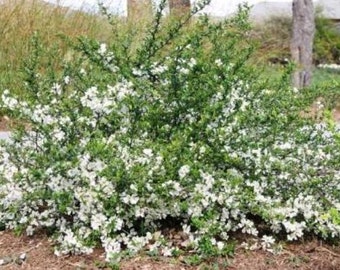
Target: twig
(328,251)
(30,249)
(81,266)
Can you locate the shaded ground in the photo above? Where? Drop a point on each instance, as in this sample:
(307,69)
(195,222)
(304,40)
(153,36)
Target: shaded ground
(312,255)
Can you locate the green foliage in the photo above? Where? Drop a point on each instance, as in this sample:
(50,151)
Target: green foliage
(193,260)
(326,41)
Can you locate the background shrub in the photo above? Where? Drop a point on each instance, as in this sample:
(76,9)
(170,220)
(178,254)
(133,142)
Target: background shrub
(274,37)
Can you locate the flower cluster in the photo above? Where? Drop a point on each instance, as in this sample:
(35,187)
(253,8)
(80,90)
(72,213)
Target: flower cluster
(329,66)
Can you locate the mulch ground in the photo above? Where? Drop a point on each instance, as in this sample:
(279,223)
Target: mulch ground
(38,250)
(4,123)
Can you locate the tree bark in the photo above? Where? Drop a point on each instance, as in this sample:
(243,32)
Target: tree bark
(179,7)
(302,41)
(139,9)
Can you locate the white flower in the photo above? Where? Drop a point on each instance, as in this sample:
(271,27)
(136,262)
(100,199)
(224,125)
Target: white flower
(185,71)
(56,89)
(67,79)
(102,49)
(218,62)
(220,245)
(29,230)
(121,90)
(148,152)
(192,62)
(267,242)
(14,194)
(295,90)
(294,229)
(186,229)
(137,72)
(284,146)
(183,171)
(167,252)
(8,101)
(319,105)
(130,199)
(59,135)
(156,69)
(329,66)
(202,150)
(97,221)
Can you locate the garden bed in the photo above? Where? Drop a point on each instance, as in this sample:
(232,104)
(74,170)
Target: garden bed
(175,151)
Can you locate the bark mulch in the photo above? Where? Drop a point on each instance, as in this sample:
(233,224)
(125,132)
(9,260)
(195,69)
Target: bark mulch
(4,123)
(23,252)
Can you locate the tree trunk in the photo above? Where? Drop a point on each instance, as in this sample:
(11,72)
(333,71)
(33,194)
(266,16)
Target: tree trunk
(139,10)
(302,41)
(179,7)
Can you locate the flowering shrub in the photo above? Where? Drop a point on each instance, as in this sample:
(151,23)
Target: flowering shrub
(181,134)
(329,66)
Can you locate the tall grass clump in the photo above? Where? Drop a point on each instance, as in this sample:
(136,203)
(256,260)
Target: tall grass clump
(177,134)
(273,38)
(20,19)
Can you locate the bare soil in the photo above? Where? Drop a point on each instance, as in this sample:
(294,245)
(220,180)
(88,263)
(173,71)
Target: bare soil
(311,255)
(336,114)
(4,123)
